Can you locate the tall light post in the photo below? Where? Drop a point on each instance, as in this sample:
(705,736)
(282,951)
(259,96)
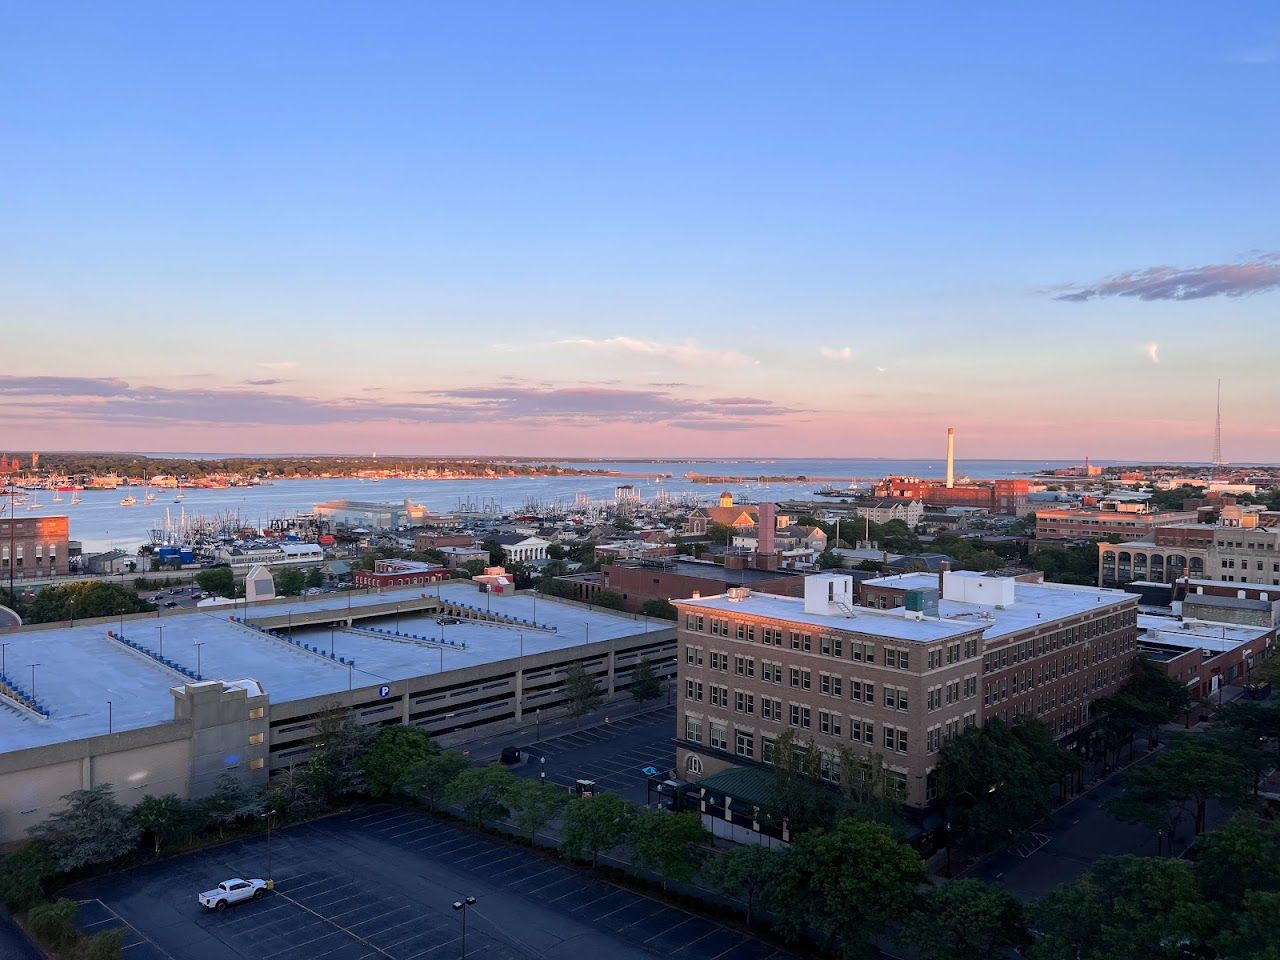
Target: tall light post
(109,718)
(270,881)
(12,533)
(161,628)
(199,672)
(3,648)
(462,905)
(397,618)
(33,680)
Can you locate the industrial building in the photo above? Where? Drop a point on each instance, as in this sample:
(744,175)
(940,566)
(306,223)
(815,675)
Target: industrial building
(165,703)
(33,547)
(892,684)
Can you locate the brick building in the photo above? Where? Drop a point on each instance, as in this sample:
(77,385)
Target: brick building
(1007,497)
(891,684)
(399,573)
(34,546)
(672,578)
(426,540)
(1076,523)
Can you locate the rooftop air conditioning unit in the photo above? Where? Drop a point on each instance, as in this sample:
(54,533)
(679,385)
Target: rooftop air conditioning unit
(739,593)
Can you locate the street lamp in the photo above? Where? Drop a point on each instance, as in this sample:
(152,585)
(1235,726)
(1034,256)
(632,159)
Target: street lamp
(109,718)
(161,627)
(33,680)
(267,816)
(199,672)
(462,905)
(3,648)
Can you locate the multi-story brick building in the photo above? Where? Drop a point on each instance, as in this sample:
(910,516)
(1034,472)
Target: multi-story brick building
(1242,547)
(399,573)
(34,546)
(891,684)
(1134,521)
(1007,497)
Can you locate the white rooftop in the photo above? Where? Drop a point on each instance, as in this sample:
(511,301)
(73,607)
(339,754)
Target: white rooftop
(79,668)
(1035,604)
(1197,634)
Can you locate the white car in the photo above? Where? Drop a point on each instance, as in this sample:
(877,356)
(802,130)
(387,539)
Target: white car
(233,891)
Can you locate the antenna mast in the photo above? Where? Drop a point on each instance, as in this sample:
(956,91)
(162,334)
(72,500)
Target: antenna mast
(1217,429)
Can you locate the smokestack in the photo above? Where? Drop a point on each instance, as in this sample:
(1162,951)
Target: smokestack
(951,457)
(943,568)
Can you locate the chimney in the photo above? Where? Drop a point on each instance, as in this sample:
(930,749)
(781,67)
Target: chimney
(943,567)
(767,525)
(951,457)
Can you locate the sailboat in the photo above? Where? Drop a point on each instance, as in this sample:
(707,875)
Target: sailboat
(128,501)
(75,498)
(35,503)
(57,498)
(180,497)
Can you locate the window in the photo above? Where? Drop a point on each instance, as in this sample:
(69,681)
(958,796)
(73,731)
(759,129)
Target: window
(829,723)
(767,749)
(771,709)
(718,736)
(256,713)
(862,731)
(693,656)
(693,729)
(719,696)
(745,745)
(744,702)
(933,698)
(801,679)
(800,716)
(255,739)
(744,666)
(693,690)
(801,641)
(719,661)
(693,764)
(256,763)
(770,672)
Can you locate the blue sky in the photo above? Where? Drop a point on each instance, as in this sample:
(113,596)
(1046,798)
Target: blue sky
(660,228)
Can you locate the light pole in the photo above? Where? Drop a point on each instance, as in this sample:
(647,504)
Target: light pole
(587,628)
(109,718)
(71,606)
(462,905)
(267,816)
(199,672)
(538,714)
(12,533)
(397,618)
(351,675)
(3,648)
(33,680)
(331,640)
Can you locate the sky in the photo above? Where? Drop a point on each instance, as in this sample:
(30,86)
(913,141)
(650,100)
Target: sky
(723,228)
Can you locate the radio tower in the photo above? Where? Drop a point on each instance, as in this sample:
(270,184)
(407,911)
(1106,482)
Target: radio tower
(1217,430)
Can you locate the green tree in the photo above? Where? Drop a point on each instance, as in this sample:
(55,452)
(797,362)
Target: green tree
(1179,781)
(796,794)
(580,690)
(219,581)
(93,828)
(1260,719)
(748,872)
(481,792)
(659,609)
(94,598)
(846,884)
(290,582)
(1251,928)
(1240,856)
(164,817)
(23,875)
(428,779)
(54,923)
(609,599)
(593,825)
(720,533)
(829,560)
(315,578)
(231,803)
(667,843)
(644,684)
(966,920)
(1124,908)
(534,804)
(107,945)
(393,751)
(333,770)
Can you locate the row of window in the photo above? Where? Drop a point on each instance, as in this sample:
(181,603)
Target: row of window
(829,645)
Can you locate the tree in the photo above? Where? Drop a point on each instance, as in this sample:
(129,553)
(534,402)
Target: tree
(580,690)
(644,684)
(864,790)
(797,795)
(720,533)
(54,923)
(659,609)
(1122,908)
(609,599)
(534,804)
(829,560)
(231,803)
(290,582)
(165,817)
(23,874)
(94,598)
(428,779)
(595,824)
(1240,856)
(667,843)
(1260,719)
(481,792)
(846,884)
(94,828)
(219,581)
(1251,928)
(107,945)
(315,578)
(333,771)
(1181,780)
(747,871)
(393,751)
(966,920)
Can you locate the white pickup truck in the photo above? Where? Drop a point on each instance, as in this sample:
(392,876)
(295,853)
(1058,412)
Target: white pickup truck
(233,891)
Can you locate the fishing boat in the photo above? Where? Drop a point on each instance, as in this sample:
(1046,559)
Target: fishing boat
(128,501)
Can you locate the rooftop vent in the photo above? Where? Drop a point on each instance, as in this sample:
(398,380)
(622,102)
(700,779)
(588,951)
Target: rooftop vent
(739,593)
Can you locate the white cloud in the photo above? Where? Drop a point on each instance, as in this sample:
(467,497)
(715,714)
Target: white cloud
(686,353)
(1153,352)
(837,353)
(278,365)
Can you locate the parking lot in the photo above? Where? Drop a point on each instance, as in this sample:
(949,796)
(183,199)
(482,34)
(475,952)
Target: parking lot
(612,754)
(380,882)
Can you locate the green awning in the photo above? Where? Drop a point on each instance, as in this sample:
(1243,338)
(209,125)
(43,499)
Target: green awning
(750,785)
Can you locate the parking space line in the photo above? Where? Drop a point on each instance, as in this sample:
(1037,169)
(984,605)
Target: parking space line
(142,938)
(337,926)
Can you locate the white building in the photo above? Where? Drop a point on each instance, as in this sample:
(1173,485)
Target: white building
(518,548)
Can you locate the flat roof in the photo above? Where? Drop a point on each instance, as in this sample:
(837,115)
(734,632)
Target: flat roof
(1196,634)
(1232,584)
(80,668)
(1035,604)
(1230,603)
(707,570)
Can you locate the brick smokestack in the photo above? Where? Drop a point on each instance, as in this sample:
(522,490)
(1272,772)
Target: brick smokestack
(951,457)
(767,524)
